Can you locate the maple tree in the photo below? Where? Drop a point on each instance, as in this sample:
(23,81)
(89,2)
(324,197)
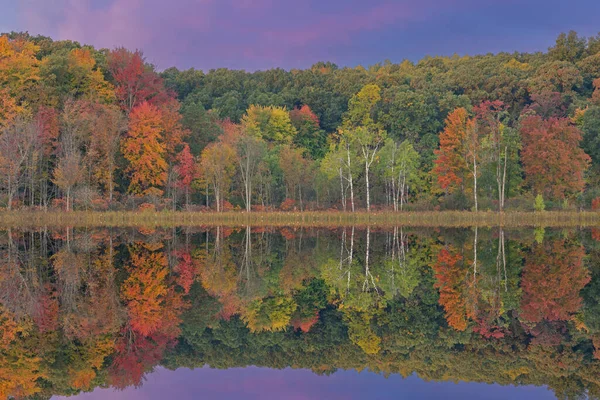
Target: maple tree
(553,162)
(186,171)
(144,148)
(135,81)
(458,155)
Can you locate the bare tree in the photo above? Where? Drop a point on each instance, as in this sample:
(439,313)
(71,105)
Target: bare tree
(16,146)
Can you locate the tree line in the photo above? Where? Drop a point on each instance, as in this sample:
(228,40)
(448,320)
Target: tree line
(98,129)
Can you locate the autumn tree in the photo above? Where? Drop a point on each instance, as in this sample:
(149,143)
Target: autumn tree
(135,81)
(74,73)
(458,155)
(185,169)
(9,109)
(19,69)
(144,149)
(218,165)
(553,161)
(271,124)
(309,136)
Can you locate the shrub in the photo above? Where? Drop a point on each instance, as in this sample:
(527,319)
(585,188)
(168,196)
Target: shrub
(146,207)
(539,204)
(288,205)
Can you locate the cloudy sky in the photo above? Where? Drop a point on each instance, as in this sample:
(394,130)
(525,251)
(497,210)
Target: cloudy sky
(260,34)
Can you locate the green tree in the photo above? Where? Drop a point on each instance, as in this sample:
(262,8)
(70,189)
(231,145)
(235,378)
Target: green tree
(362,131)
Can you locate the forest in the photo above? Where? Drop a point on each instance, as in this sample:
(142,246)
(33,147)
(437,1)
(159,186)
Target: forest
(81,309)
(97,129)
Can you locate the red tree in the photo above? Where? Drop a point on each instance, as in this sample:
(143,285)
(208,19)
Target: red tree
(554,163)
(186,171)
(135,81)
(450,164)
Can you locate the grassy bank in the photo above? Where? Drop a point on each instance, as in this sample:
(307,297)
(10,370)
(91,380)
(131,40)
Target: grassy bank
(313,219)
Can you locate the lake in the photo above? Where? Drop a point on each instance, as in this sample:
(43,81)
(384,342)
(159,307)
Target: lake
(299,313)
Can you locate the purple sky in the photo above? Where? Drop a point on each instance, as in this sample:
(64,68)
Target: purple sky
(260,34)
(289,384)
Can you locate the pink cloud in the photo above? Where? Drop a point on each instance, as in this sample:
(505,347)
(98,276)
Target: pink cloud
(253,33)
(343,26)
(111,26)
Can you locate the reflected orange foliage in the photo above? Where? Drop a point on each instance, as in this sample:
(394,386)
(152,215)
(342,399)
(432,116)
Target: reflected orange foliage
(449,279)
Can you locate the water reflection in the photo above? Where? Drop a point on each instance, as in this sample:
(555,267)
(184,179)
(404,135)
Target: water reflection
(81,309)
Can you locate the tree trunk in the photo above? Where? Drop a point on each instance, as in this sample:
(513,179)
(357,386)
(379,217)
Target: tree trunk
(367,183)
(342,191)
(110,187)
(350,178)
(218,197)
(504,179)
(69,199)
(9,204)
(475,181)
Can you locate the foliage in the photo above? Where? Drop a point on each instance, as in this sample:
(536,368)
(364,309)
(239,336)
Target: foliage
(483,130)
(539,204)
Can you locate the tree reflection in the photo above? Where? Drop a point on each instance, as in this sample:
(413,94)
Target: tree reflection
(81,309)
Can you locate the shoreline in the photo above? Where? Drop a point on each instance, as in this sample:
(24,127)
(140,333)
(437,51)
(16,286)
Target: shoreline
(298,219)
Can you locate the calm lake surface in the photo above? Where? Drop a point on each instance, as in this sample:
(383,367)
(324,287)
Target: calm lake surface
(265,313)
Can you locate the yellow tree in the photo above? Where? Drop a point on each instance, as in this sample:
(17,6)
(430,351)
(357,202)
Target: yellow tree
(145,150)
(217,164)
(272,124)
(86,78)
(19,68)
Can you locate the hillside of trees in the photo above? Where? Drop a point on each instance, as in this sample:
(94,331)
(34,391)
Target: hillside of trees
(81,309)
(97,129)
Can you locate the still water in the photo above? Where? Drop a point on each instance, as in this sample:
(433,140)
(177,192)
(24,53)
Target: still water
(264,313)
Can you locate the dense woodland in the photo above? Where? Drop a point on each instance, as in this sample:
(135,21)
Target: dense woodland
(82,309)
(82,128)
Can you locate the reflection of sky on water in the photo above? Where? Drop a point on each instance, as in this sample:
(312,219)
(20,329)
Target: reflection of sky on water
(265,384)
